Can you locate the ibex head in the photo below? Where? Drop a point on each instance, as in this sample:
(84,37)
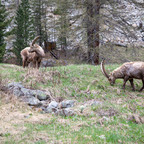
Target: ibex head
(110,76)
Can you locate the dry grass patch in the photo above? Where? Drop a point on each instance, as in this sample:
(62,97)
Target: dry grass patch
(34,76)
(14,114)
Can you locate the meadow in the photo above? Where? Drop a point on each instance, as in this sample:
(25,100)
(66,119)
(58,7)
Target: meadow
(108,122)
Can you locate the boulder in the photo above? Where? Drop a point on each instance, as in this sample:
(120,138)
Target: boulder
(65,112)
(52,107)
(41,95)
(67,103)
(48,63)
(15,84)
(32,101)
(17,92)
(26,92)
(16,88)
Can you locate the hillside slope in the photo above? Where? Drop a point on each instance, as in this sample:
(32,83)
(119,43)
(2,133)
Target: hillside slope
(105,114)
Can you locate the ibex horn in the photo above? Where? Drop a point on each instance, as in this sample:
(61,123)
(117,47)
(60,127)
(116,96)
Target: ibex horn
(35,39)
(103,69)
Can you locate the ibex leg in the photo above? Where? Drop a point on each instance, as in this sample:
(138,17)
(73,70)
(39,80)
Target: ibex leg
(142,86)
(34,64)
(125,80)
(132,84)
(24,62)
(39,62)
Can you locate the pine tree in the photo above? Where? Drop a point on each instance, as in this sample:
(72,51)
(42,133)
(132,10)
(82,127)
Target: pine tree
(37,17)
(23,29)
(3,24)
(62,10)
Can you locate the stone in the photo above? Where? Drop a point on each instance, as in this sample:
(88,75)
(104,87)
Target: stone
(48,63)
(15,84)
(17,92)
(65,112)
(52,107)
(16,88)
(32,101)
(67,103)
(53,104)
(41,95)
(26,92)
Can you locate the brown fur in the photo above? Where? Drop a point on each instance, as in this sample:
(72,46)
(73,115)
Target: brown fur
(33,54)
(128,71)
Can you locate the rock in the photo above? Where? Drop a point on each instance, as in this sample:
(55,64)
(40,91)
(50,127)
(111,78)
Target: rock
(17,92)
(48,63)
(41,95)
(52,107)
(53,104)
(16,88)
(67,103)
(26,92)
(32,101)
(15,84)
(65,112)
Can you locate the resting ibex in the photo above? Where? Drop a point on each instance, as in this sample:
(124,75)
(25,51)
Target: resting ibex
(33,54)
(127,71)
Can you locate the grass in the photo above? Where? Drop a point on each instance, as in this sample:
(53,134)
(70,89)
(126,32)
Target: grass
(83,83)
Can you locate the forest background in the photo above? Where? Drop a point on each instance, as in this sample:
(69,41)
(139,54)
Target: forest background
(85,31)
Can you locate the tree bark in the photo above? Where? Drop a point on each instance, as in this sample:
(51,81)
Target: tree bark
(93,7)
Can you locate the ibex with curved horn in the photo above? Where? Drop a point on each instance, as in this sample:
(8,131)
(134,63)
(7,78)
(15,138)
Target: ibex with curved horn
(128,71)
(33,54)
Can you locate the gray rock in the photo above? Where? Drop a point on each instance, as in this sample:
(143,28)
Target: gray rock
(17,92)
(16,88)
(67,103)
(48,63)
(65,112)
(53,104)
(26,92)
(41,95)
(52,107)
(32,101)
(15,84)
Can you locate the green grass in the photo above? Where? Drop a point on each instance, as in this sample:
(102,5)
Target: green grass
(82,83)
(115,131)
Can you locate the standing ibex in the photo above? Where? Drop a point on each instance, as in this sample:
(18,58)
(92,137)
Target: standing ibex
(127,71)
(33,54)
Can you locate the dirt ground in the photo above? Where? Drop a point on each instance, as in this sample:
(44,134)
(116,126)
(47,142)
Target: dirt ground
(14,114)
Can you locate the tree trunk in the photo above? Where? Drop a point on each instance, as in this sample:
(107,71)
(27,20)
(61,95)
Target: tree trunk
(93,7)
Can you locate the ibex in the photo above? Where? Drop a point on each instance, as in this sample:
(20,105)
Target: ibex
(33,54)
(128,71)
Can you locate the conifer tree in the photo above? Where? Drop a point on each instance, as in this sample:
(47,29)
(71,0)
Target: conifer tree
(23,29)
(62,10)
(3,24)
(37,17)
